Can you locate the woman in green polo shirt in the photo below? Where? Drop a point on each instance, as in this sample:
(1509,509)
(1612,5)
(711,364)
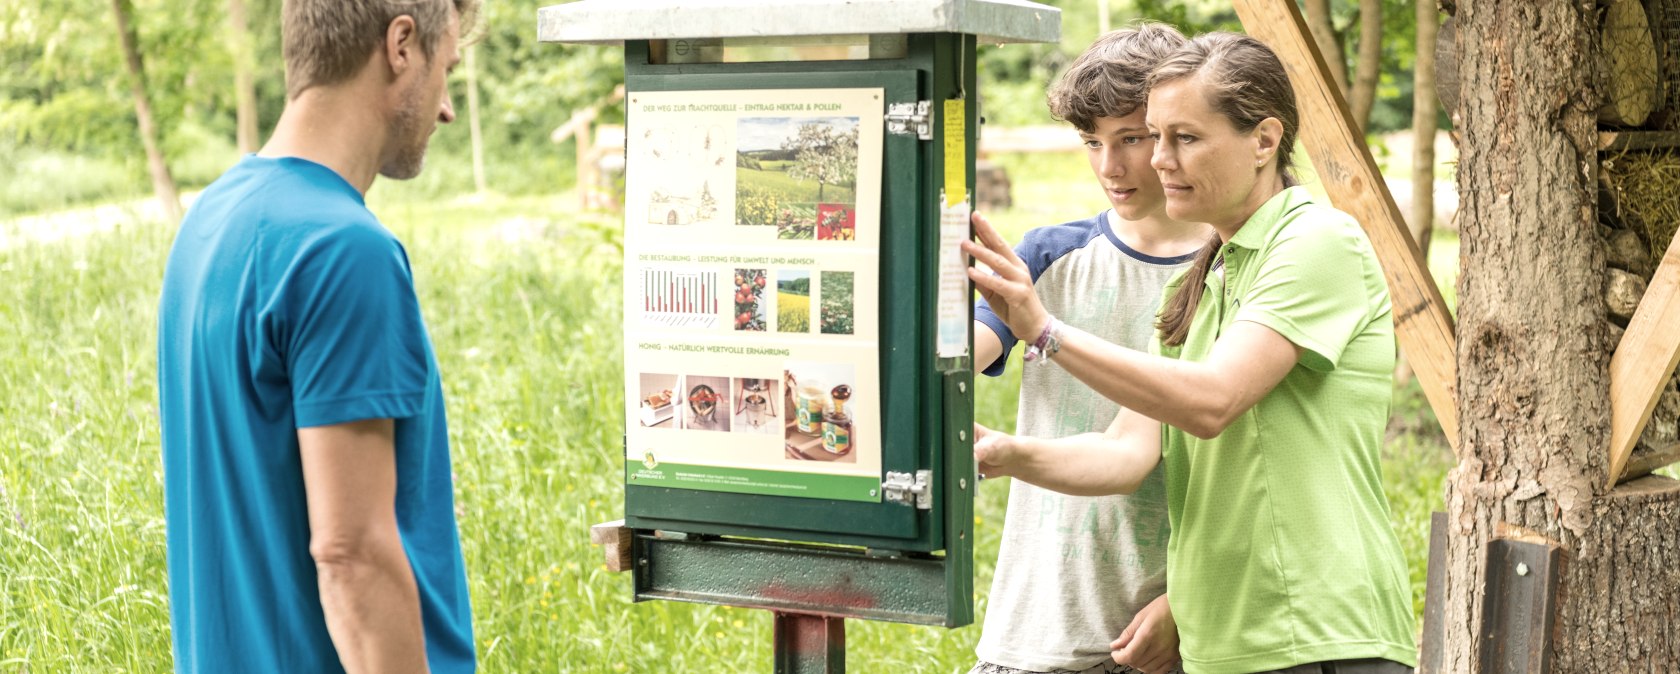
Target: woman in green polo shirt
(1266,392)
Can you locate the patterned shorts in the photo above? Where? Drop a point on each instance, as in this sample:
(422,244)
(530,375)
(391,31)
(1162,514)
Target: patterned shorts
(1105,667)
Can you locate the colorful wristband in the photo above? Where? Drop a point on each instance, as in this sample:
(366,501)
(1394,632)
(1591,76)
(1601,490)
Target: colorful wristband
(1048,343)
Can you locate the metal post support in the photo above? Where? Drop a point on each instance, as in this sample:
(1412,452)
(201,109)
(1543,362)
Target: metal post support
(1520,606)
(809,644)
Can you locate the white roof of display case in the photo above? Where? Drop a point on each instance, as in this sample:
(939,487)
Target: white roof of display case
(614,21)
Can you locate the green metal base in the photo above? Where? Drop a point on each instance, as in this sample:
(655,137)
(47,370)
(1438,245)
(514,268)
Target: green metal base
(793,578)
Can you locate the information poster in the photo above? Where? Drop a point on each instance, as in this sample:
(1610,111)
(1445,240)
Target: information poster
(752,244)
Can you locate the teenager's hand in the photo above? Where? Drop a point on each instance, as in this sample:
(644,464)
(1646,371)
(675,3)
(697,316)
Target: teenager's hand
(1150,643)
(1010,289)
(993,451)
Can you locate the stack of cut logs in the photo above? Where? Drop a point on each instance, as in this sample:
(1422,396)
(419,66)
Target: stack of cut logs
(1639,199)
(1665,33)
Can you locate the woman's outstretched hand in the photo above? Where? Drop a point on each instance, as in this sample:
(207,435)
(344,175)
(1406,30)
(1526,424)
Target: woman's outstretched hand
(993,451)
(1010,289)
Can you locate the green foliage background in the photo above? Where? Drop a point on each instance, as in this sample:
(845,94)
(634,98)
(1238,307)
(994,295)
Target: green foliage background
(67,126)
(513,287)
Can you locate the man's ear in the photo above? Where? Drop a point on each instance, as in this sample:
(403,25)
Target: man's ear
(1268,135)
(402,45)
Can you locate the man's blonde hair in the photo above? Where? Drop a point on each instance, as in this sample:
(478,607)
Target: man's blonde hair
(326,41)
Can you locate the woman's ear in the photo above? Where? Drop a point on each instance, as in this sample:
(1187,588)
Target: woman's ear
(1268,135)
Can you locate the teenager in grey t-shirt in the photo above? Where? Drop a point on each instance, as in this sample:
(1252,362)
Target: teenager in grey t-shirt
(1072,571)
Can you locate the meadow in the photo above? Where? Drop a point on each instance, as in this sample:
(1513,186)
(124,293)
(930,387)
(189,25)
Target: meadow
(788,189)
(522,295)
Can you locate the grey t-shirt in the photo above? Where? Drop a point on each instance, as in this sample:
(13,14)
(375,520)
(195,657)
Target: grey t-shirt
(1073,570)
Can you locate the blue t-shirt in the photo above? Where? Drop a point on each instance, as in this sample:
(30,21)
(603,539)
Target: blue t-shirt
(287,305)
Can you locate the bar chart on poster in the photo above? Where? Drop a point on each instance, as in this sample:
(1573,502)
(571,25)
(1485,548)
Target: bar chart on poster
(752,250)
(680,299)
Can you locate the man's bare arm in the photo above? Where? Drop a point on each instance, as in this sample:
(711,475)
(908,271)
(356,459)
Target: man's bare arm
(367,586)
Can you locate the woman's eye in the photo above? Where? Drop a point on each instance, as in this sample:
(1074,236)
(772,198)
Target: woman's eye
(1154,136)
(1186,138)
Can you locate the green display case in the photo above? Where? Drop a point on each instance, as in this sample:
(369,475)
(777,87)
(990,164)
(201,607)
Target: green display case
(797,180)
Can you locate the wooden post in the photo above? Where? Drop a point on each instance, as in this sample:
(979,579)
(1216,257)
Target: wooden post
(1350,176)
(1644,361)
(614,539)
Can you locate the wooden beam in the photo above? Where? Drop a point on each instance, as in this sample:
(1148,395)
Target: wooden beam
(1624,141)
(1644,361)
(1644,464)
(614,539)
(1351,178)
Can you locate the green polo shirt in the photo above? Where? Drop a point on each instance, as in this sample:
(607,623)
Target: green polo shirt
(1282,552)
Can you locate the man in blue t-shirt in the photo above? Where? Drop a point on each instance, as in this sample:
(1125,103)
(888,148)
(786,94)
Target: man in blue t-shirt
(308,494)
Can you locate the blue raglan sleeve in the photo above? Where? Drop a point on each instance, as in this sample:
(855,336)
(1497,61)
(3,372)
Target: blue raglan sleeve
(355,343)
(1038,249)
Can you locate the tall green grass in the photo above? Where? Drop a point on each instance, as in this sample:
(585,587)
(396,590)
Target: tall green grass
(522,297)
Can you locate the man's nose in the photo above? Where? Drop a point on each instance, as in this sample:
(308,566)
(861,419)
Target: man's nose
(446,112)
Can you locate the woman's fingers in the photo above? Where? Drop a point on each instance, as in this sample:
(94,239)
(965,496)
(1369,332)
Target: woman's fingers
(985,446)
(991,286)
(992,242)
(1001,265)
(989,236)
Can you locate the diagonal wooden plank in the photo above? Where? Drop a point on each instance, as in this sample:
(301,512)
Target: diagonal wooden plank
(1351,178)
(1644,360)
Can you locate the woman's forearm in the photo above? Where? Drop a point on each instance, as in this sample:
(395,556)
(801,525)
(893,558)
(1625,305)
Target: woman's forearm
(1091,464)
(1182,394)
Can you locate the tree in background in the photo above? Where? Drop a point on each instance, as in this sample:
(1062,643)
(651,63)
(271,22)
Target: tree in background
(244,77)
(1014,77)
(824,154)
(163,183)
(215,89)
(1425,114)
(69,125)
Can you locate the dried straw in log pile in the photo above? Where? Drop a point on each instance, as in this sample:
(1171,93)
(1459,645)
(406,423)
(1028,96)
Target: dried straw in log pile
(1640,208)
(1645,192)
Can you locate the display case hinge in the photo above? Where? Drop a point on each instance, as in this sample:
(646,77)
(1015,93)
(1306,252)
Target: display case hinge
(916,490)
(911,118)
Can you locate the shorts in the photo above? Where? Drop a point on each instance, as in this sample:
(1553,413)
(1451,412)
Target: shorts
(1368,666)
(1104,667)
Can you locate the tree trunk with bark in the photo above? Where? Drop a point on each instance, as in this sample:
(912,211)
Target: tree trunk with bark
(244,78)
(163,184)
(1424,107)
(1533,358)
(479,182)
(1329,43)
(1368,68)
(1424,112)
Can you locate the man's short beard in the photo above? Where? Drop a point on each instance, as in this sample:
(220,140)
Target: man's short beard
(407,161)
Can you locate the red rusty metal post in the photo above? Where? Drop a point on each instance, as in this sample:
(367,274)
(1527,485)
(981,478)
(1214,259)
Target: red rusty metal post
(807,643)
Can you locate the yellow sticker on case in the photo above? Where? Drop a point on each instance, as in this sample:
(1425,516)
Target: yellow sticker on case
(956,152)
